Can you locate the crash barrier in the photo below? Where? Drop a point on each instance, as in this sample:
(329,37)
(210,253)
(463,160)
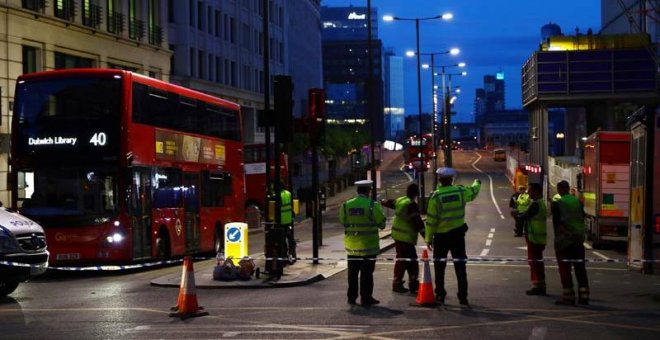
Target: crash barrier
(499,260)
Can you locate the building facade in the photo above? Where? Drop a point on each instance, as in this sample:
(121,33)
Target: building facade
(39,35)
(394,97)
(630,17)
(218,48)
(346,68)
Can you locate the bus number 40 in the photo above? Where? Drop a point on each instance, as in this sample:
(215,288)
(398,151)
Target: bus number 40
(98,139)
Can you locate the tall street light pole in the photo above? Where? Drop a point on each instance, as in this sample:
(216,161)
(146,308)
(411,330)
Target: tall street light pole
(446,114)
(446,16)
(434,139)
(370,104)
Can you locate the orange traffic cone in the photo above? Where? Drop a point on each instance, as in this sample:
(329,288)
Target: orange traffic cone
(186,304)
(425,295)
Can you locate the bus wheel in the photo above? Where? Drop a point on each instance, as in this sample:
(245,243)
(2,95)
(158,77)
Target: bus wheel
(163,250)
(7,287)
(219,242)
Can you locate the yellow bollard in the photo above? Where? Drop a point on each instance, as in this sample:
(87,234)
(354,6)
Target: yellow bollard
(296,207)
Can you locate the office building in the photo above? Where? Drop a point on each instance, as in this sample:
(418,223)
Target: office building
(346,68)
(394,97)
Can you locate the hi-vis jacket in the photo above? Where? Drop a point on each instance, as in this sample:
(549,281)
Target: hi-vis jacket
(523,202)
(568,221)
(446,209)
(361,218)
(286,212)
(537,229)
(403,227)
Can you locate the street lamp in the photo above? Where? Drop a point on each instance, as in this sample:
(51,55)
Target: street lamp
(446,110)
(446,101)
(445,16)
(434,103)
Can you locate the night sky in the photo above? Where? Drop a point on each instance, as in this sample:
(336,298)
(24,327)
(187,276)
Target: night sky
(493,35)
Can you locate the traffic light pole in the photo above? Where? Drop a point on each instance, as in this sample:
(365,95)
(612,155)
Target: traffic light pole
(267,112)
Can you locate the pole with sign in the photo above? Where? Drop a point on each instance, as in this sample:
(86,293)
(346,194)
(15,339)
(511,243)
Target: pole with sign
(236,240)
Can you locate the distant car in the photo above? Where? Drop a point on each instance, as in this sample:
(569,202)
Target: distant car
(499,155)
(22,242)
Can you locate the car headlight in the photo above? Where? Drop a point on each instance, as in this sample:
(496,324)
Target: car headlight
(8,242)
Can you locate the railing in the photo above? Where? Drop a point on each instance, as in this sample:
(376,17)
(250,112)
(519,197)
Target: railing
(92,16)
(155,35)
(65,9)
(115,23)
(136,29)
(34,5)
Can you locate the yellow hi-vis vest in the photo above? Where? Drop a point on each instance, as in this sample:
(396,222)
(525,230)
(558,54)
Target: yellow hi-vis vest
(286,211)
(446,209)
(572,217)
(537,228)
(402,227)
(523,202)
(361,218)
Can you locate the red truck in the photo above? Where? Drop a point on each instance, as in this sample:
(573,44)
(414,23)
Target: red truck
(606,191)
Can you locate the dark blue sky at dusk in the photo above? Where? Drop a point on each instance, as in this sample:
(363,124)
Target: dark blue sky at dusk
(493,35)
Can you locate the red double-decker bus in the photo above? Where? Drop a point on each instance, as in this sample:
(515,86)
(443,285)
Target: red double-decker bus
(119,167)
(254,157)
(419,153)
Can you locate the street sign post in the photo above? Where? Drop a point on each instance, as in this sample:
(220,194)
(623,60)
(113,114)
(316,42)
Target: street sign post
(236,240)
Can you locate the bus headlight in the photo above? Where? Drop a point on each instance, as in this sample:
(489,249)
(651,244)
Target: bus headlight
(115,238)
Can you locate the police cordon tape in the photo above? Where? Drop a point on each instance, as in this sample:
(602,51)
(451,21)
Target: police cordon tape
(499,260)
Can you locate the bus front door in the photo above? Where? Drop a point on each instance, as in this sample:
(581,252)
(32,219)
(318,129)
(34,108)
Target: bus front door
(191,207)
(140,212)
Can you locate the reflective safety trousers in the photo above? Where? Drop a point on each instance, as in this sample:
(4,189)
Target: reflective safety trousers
(538,224)
(286,211)
(361,218)
(446,209)
(402,227)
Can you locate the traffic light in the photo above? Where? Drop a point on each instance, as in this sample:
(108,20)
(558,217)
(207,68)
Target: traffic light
(283,107)
(316,114)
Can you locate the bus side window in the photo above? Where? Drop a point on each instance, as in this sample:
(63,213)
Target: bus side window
(216,187)
(167,188)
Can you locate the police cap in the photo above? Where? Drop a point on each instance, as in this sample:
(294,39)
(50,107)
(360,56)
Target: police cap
(365,183)
(446,172)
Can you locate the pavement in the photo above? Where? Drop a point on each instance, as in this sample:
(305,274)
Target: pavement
(303,272)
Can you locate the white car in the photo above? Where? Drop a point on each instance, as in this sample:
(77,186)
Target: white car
(23,252)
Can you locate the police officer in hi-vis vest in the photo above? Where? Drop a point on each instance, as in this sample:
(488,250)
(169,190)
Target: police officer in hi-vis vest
(445,230)
(405,227)
(361,217)
(568,223)
(536,217)
(518,203)
(286,222)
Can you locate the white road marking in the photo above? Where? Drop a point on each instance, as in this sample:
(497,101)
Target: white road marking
(484,252)
(492,194)
(538,333)
(492,230)
(600,255)
(490,235)
(489,242)
(522,248)
(587,246)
